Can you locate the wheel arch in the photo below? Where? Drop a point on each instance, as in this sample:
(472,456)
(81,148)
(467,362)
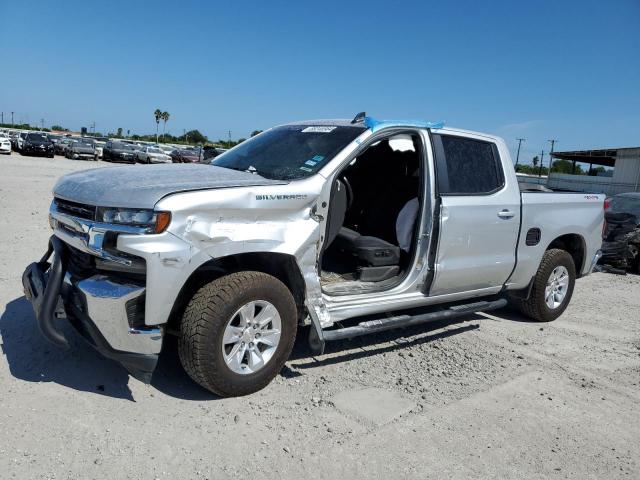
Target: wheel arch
(280,265)
(574,244)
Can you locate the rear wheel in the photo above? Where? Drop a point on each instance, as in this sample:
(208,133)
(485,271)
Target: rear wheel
(552,287)
(237,332)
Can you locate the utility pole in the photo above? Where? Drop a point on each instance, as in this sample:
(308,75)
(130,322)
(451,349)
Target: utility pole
(42,123)
(12,118)
(541,161)
(520,140)
(229,138)
(2,114)
(552,142)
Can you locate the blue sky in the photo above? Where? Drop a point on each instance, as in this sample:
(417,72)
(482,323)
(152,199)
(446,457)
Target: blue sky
(538,69)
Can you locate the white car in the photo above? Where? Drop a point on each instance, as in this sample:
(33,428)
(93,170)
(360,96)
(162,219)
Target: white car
(5,144)
(99,147)
(152,154)
(166,148)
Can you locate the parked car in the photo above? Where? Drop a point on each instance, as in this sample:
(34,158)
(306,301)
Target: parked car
(208,153)
(13,137)
(166,148)
(181,155)
(60,146)
(5,144)
(37,144)
(118,152)
(351,227)
(99,147)
(152,154)
(81,148)
(621,245)
(54,138)
(20,141)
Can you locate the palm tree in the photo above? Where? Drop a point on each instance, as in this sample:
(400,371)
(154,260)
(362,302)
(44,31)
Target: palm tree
(158,115)
(165,117)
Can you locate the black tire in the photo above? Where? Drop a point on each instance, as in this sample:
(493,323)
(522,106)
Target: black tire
(535,306)
(204,322)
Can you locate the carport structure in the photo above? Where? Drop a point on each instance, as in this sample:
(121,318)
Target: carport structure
(625,178)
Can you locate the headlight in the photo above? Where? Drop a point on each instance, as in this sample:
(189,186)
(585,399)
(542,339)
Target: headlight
(155,222)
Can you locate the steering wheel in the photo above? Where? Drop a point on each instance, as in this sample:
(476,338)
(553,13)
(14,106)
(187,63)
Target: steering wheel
(347,184)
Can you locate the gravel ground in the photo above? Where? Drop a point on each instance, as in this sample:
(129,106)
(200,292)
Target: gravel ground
(494,396)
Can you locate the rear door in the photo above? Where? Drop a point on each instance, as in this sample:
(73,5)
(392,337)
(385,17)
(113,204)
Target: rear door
(479,215)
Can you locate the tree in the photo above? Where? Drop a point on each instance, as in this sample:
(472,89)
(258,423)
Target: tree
(59,128)
(565,166)
(165,118)
(119,131)
(255,132)
(535,161)
(195,136)
(157,115)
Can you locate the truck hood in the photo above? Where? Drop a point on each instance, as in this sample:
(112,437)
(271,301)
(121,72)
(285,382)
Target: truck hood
(142,186)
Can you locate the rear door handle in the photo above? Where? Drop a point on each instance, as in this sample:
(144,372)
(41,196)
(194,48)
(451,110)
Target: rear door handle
(506,214)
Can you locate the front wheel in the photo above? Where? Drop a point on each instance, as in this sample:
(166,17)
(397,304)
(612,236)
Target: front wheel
(237,332)
(552,287)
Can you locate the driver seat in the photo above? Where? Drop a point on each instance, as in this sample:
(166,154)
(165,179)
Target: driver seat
(376,258)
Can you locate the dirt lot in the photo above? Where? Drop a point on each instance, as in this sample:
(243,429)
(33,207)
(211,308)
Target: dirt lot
(492,397)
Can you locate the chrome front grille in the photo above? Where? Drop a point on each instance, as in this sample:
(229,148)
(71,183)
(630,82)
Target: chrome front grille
(78,210)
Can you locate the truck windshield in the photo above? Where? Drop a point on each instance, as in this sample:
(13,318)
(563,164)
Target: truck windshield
(289,152)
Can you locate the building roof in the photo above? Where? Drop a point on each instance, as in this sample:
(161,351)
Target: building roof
(606,157)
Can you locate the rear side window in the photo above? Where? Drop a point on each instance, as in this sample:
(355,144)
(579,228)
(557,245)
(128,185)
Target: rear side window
(466,166)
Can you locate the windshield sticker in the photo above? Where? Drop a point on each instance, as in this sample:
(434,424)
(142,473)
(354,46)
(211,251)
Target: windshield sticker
(318,129)
(311,163)
(318,158)
(306,169)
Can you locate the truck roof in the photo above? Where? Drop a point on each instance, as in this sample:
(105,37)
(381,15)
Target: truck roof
(376,125)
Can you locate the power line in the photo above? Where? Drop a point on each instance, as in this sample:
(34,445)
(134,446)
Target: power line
(541,162)
(552,142)
(520,140)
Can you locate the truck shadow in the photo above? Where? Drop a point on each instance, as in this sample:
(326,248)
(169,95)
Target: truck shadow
(31,358)
(511,314)
(399,339)
(171,379)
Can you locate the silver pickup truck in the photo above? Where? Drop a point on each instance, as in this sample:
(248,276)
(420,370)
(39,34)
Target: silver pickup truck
(344,227)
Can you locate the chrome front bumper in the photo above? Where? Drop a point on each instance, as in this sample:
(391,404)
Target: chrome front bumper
(104,302)
(97,307)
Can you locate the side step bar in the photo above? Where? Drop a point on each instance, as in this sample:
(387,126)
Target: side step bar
(389,323)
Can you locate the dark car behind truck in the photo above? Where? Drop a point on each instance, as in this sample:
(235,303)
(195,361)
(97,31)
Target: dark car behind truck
(37,144)
(621,245)
(118,152)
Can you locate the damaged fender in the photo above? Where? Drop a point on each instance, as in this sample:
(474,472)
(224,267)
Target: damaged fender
(212,224)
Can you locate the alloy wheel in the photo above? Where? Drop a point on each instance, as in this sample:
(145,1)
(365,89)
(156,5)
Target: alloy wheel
(557,286)
(251,337)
